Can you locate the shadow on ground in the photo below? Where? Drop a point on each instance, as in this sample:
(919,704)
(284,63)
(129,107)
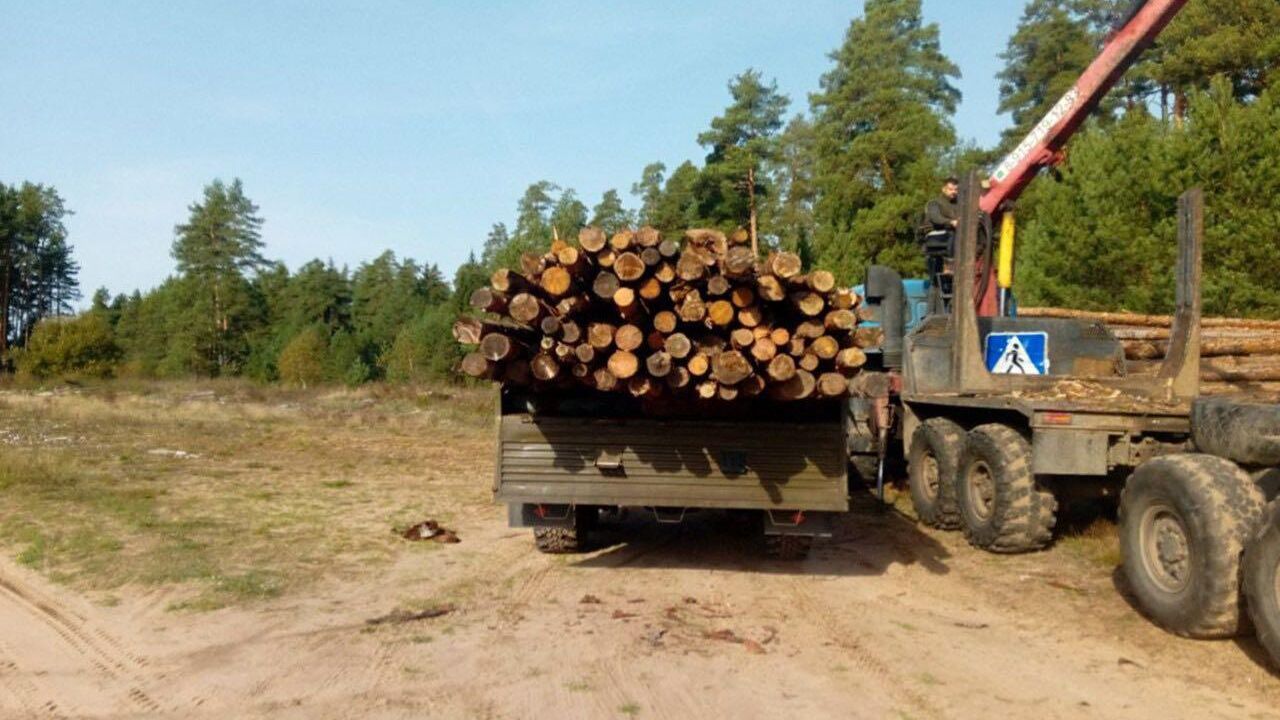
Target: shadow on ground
(868,540)
(1247,643)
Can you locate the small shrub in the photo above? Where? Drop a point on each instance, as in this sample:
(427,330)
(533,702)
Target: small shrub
(302,362)
(83,346)
(424,350)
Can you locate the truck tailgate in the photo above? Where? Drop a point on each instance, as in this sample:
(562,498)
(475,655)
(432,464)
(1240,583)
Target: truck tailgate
(671,463)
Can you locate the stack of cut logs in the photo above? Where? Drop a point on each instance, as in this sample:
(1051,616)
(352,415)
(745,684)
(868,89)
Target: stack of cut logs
(1238,356)
(646,315)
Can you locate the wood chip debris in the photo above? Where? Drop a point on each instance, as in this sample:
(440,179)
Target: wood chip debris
(430,530)
(399,617)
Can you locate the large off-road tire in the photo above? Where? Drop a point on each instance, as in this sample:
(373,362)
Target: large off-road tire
(1184,522)
(1243,432)
(1262,582)
(931,472)
(788,547)
(1002,507)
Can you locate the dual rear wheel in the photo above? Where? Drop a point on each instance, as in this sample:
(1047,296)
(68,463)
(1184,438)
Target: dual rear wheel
(980,481)
(1185,521)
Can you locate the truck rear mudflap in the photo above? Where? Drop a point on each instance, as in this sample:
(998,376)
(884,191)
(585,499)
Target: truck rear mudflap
(653,463)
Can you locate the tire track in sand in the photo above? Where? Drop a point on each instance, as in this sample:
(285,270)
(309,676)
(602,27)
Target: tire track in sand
(52,630)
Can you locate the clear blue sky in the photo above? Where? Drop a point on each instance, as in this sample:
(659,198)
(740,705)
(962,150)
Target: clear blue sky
(405,125)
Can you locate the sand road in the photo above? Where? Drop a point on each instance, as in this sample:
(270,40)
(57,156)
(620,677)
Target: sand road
(884,621)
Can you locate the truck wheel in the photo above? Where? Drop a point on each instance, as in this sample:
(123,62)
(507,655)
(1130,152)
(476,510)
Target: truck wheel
(1262,582)
(931,470)
(1184,521)
(1002,507)
(788,547)
(563,541)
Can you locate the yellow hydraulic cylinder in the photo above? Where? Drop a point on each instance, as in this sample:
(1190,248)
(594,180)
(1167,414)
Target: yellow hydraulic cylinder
(1004,266)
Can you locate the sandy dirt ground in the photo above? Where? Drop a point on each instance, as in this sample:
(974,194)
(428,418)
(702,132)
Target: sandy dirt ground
(885,620)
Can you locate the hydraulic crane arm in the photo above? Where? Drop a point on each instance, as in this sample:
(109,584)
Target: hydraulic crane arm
(1043,146)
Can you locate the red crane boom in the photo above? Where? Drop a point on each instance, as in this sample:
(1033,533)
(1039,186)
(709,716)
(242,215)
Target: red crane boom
(1043,146)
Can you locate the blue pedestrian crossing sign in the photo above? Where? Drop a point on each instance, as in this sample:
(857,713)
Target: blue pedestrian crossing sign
(1025,353)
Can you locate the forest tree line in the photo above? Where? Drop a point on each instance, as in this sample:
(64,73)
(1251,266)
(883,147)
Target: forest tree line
(841,181)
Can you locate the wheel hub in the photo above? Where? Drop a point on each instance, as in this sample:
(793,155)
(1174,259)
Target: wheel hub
(981,489)
(929,477)
(1166,549)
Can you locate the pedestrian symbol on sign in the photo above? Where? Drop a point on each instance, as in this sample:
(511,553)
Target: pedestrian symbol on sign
(1017,353)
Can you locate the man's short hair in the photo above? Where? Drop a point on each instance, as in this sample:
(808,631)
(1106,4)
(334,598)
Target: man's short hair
(951,181)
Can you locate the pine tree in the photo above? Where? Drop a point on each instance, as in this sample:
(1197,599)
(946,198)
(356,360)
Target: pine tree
(791,219)
(1054,42)
(649,189)
(676,208)
(609,215)
(494,245)
(470,276)
(568,216)
(216,248)
(37,270)
(740,142)
(1235,38)
(881,123)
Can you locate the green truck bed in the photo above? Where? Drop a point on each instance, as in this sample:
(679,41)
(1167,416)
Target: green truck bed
(679,463)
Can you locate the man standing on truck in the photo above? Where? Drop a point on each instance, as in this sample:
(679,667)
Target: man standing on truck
(942,217)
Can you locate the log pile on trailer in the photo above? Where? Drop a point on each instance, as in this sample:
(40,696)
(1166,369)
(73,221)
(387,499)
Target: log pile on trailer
(646,315)
(1237,355)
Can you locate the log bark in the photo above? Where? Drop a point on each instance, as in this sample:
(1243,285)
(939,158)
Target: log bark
(1121,318)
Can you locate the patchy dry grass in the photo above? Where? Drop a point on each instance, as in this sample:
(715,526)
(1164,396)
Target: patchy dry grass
(1098,543)
(229,491)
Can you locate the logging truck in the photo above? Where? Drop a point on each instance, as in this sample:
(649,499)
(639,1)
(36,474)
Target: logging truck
(1002,418)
